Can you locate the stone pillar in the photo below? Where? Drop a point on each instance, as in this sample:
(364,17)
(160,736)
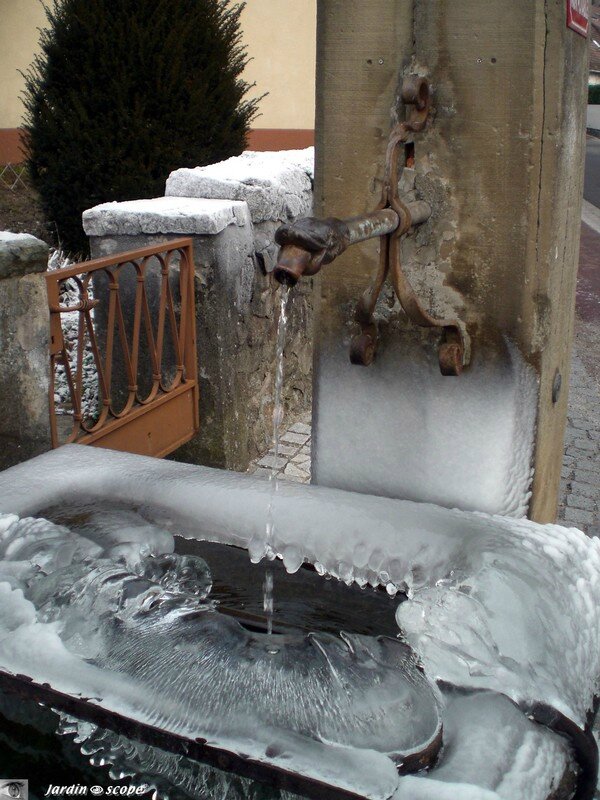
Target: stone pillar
(235,318)
(501,165)
(24,349)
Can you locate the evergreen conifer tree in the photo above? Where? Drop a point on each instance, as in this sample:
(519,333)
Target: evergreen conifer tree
(123,92)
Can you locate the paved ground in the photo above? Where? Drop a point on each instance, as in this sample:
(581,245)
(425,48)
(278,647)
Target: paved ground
(591,190)
(293,462)
(579,503)
(580,484)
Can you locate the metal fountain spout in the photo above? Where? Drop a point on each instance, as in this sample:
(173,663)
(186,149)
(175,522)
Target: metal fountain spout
(310,243)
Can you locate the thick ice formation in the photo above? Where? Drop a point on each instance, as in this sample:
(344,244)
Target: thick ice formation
(199,672)
(492,752)
(517,612)
(495,603)
(430,552)
(462,444)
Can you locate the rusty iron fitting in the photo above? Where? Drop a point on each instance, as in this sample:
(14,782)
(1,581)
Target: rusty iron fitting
(415,92)
(420,211)
(310,243)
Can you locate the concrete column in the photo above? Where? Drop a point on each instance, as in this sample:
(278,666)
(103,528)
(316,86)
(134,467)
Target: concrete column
(501,165)
(24,349)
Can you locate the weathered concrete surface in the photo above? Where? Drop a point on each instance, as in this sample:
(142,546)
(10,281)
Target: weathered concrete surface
(501,166)
(236,322)
(276,185)
(24,360)
(180,215)
(21,254)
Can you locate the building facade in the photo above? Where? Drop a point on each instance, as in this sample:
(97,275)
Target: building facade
(280,36)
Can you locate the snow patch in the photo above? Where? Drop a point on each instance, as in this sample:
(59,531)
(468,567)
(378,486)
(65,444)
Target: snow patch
(174,215)
(276,185)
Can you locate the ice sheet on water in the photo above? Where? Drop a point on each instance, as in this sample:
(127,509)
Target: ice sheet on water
(316,703)
(495,603)
(492,752)
(523,584)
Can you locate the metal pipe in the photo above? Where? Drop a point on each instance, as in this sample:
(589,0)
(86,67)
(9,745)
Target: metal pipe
(309,243)
(420,211)
(368,226)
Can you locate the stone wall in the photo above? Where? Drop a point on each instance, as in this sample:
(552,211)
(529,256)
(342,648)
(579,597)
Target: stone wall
(24,351)
(231,210)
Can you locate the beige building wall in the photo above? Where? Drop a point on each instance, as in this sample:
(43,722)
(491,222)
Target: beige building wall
(281,40)
(281,36)
(19,23)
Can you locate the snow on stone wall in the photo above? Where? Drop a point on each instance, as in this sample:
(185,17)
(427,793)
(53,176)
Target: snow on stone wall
(231,210)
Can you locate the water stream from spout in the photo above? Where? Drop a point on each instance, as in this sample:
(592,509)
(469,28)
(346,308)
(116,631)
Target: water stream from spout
(273,481)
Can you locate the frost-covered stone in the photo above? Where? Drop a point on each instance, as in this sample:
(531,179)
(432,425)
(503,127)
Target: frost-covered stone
(463,443)
(172,215)
(21,254)
(276,185)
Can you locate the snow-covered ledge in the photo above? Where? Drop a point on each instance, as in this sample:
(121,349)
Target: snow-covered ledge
(231,210)
(276,185)
(167,215)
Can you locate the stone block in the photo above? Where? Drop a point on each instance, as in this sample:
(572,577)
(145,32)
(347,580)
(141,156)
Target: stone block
(580,501)
(271,462)
(182,216)
(24,349)
(21,254)
(300,427)
(294,438)
(578,518)
(276,185)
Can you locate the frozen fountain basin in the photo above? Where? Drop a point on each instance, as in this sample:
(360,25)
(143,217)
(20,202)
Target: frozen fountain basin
(501,612)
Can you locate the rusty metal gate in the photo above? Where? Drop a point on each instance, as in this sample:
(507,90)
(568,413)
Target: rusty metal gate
(123,350)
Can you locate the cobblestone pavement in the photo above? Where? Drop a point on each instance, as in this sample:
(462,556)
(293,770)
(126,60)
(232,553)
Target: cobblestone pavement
(580,481)
(293,461)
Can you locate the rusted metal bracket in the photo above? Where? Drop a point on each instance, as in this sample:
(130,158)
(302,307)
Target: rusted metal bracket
(309,243)
(415,93)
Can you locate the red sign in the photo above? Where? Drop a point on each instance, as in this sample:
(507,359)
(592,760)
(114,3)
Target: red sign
(578,16)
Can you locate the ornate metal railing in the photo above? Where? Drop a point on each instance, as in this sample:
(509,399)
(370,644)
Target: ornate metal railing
(123,350)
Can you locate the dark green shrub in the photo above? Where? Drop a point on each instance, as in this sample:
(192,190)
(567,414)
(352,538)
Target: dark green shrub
(123,92)
(594,95)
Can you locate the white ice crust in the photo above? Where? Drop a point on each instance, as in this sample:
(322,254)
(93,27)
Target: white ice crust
(174,215)
(276,185)
(464,442)
(496,604)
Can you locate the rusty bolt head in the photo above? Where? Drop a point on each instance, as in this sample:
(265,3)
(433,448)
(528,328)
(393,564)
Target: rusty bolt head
(450,358)
(415,92)
(362,349)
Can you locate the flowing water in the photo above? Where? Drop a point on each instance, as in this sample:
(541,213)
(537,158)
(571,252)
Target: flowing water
(277,420)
